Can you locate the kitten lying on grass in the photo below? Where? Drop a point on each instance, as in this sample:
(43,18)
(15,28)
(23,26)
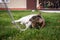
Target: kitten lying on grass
(32,20)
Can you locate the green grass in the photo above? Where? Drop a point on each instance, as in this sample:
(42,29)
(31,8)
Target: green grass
(8,31)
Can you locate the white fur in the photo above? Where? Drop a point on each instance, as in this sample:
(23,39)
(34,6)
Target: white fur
(25,20)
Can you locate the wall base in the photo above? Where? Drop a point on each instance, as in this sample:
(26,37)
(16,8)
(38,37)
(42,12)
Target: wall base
(13,8)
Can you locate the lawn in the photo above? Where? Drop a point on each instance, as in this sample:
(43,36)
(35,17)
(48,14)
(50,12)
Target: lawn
(8,31)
